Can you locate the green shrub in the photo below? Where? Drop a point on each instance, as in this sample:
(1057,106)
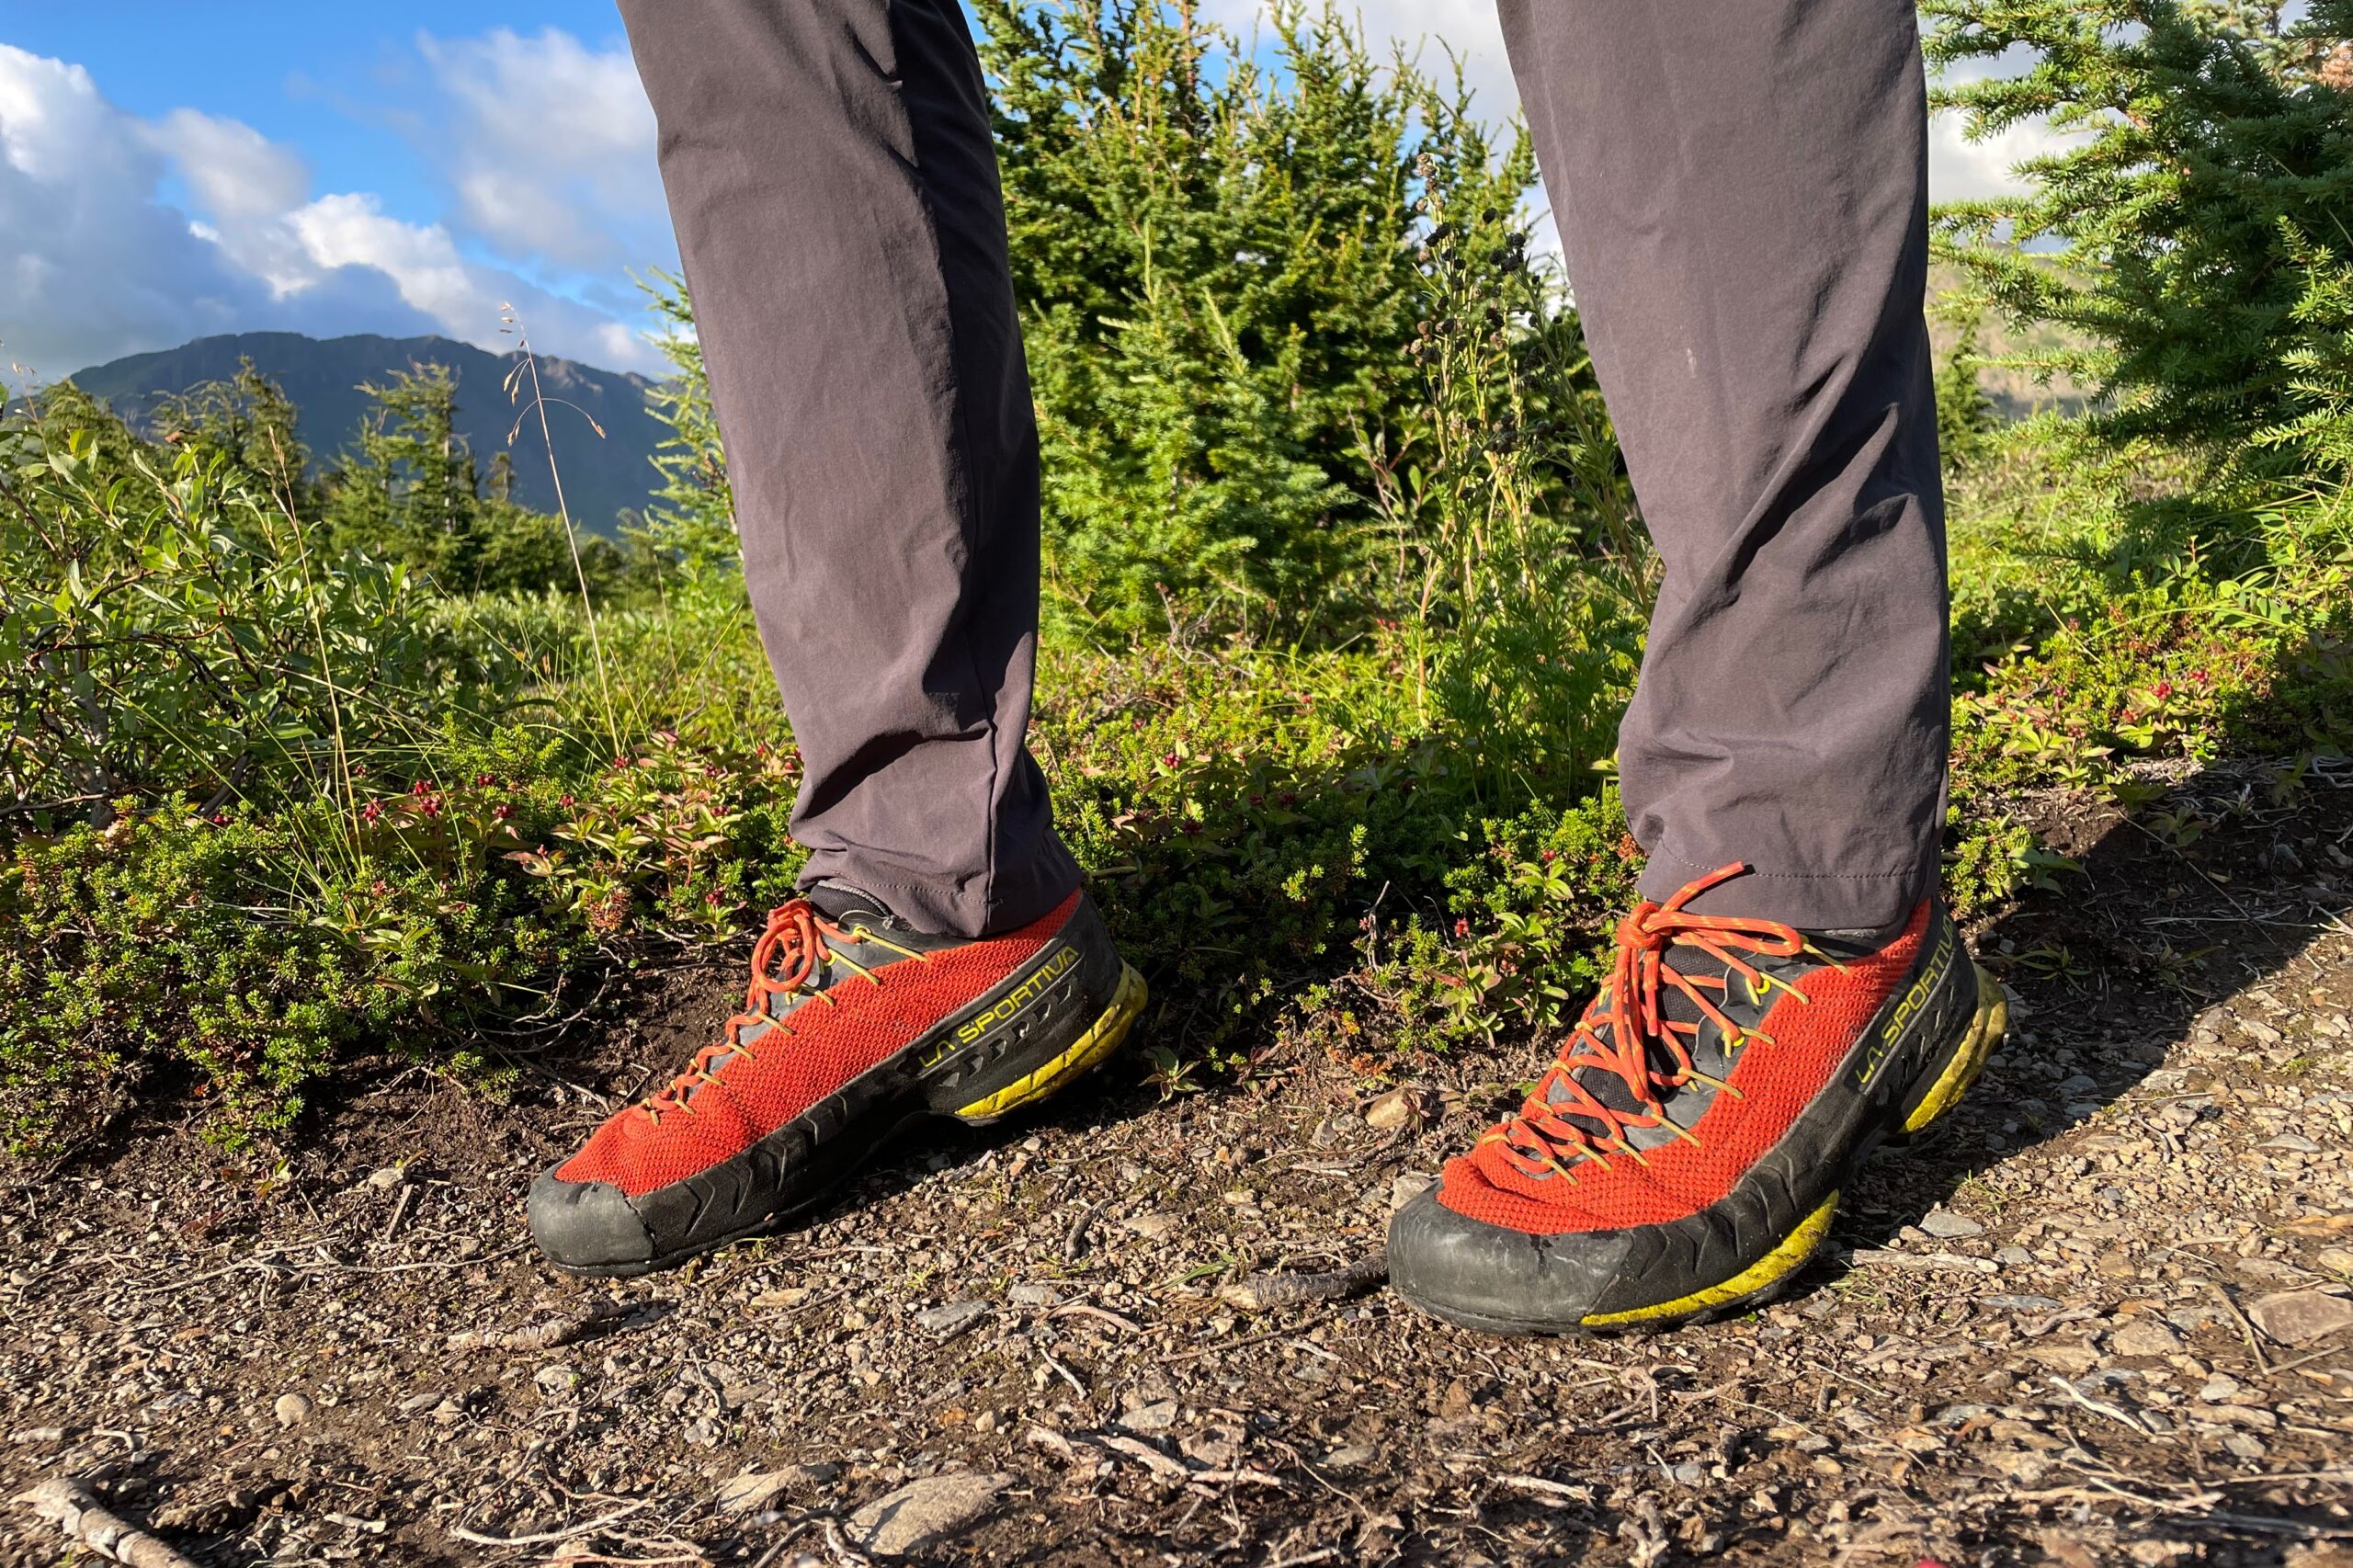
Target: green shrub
(412,492)
(1219,265)
(167,627)
(250,954)
(2177,231)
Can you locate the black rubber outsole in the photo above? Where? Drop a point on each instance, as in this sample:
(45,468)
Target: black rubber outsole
(1982,1031)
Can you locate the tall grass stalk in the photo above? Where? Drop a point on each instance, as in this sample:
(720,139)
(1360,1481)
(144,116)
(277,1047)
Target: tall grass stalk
(527,366)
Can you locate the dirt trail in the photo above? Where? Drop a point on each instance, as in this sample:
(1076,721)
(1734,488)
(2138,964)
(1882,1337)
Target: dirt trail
(2100,1316)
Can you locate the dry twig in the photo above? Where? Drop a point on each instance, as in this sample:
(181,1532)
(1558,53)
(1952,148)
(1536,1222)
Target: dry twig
(67,1503)
(1263,1292)
(544,1536)
(542,1336)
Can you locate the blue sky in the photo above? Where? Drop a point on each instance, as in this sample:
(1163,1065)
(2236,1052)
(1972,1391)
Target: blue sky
(168,171)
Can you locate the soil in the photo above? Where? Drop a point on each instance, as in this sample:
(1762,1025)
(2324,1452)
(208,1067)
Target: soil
(2099,1315)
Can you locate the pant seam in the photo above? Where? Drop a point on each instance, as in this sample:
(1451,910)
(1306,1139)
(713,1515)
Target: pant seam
(968,514)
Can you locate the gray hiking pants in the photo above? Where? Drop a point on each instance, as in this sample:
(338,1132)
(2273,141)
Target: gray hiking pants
(1741,191)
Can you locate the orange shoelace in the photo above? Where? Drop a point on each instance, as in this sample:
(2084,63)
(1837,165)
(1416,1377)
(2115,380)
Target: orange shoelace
(1626,1031)
(796,938)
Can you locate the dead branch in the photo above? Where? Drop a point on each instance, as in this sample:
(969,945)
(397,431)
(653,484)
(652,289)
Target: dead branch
(1263,1292)
(67,1503)
(542,1336)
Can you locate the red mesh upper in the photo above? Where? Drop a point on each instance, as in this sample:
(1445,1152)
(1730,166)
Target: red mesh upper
(827,1048)
(1777,1079)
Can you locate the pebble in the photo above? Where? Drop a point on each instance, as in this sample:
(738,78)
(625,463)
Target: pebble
(387,1178)
(922,1512)
(750,1491)
(2299,1317)
(1157,1417)
(1398,1108)
(948,1321)
(2144,1336)
(1409,1186)
(291,1409)
(1948,1226)
(1033,1295)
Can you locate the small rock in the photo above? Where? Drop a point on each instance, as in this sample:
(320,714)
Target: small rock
(2258,1030)
(2299,1317)
(1409,1186)
(291,1409)
(1158,1416)
(1031,1295)
(2220,1389)
(948,1321)
(747,1493)
(387,1178)
(1948,1226)
(1151,1227)
(1216,1446)
(922,1512)
(2144,1336)
(1398,1108)
(750,1491)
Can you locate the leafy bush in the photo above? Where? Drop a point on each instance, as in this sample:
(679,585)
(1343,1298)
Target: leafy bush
(168,627)
(1218,264)
(412,492)
(2178,232)
(249,953)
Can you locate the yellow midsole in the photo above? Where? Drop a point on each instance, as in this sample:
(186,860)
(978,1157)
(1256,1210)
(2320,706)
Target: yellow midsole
(1783,1260)
(1101,1039)
(1986,1032)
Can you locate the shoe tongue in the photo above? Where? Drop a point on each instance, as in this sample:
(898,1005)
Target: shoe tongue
(1605,1085)
(844,905)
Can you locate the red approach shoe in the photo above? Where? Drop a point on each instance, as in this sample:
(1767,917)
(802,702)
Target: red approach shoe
(853,1027)
(1683,1158)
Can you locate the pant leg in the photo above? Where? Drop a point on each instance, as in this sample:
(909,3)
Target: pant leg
(1740,192)
(834,187)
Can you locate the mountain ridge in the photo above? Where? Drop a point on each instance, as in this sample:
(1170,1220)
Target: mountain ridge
(603,476)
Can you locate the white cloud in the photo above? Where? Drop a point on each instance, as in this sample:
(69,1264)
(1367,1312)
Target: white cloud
(1963,170)
(549,147)
(97,262)
(233,170)
(1957,169)
(422,262)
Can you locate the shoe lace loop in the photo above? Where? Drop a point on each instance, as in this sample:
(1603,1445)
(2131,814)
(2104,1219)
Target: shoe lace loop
(791,952)
(1626,1031)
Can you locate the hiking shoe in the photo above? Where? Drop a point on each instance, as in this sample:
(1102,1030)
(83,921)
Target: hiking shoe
(854,1026)
(1684,1156)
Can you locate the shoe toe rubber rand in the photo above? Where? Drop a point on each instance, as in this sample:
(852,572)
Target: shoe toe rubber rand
(1501,1280)
(593,1228)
